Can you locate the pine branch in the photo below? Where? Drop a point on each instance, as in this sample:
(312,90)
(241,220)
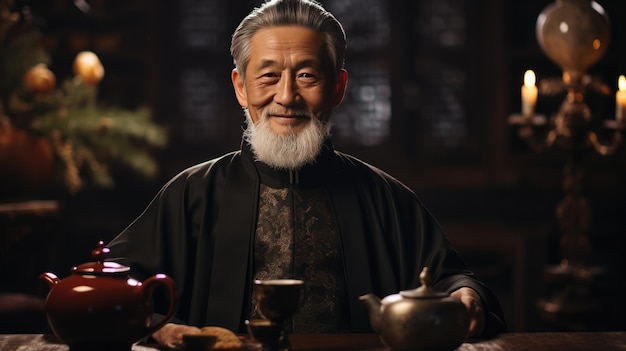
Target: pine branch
(86,136)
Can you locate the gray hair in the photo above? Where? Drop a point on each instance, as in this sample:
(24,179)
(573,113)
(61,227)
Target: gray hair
(305,13)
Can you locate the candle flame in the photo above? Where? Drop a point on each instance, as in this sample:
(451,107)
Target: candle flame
(621,83)
(529,78)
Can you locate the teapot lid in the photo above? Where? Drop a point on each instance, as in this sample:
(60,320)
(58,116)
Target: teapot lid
(100,266)
(423,292)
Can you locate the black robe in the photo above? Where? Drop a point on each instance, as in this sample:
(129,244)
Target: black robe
(200,228)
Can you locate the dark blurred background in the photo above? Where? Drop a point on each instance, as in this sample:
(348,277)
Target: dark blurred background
(431,86)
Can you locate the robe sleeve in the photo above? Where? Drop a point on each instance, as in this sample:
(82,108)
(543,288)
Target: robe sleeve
(400,237)
(163,237)
(448,269)
(450,272)
(198,230)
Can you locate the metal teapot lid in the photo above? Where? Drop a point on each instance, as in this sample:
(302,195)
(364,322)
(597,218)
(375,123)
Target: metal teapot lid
(423,292)
(100,266)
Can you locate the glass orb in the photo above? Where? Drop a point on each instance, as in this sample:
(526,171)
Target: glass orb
(574,34)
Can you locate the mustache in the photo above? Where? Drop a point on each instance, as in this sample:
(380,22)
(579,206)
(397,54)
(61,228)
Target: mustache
(294,113)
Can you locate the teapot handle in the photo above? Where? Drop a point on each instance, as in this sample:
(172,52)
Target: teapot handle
(149,285)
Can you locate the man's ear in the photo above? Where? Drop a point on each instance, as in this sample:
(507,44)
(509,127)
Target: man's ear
(239,85)
(340,87)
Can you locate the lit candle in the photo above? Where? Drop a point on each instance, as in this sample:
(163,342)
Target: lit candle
(620,99)
(529,94)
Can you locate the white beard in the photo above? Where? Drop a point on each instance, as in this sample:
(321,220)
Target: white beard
(290,151)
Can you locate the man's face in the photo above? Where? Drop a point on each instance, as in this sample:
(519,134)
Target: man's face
(287,73)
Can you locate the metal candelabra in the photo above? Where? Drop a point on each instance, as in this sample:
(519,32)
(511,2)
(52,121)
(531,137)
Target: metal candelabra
(574,34)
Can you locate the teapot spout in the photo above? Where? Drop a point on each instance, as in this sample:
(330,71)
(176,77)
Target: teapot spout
(50,278)
(372,303)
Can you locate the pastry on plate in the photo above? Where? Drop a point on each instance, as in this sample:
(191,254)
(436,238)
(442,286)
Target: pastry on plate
(226,339)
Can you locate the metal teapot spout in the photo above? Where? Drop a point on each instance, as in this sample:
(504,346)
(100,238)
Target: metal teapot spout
(372,303)
(50,278)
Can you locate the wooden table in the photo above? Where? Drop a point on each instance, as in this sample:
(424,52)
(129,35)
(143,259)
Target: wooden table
(561,341)
(600,341)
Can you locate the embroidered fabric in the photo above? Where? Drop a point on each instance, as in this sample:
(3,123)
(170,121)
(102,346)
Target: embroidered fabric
(297,237)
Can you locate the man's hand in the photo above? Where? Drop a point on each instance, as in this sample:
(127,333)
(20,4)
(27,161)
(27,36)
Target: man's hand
(171,335)
(475,310)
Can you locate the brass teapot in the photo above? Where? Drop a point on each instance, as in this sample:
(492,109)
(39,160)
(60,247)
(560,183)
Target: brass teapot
(419,320)
(101,307)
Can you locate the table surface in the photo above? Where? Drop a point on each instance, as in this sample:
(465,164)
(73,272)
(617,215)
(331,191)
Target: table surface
(559,341)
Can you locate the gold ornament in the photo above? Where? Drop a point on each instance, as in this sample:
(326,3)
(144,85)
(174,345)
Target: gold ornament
(87,66)
(40,79)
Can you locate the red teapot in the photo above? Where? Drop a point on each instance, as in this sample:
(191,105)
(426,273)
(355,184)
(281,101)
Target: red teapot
(101,307)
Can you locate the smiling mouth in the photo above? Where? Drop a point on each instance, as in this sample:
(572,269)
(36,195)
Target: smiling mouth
(292,114)
(289,116)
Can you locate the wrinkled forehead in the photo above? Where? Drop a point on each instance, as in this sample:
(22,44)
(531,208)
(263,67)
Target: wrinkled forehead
(296,42)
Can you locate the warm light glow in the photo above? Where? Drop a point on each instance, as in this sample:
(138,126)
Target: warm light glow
(620,99)
(529,78)
(529,93)
(597,44)
(87,65)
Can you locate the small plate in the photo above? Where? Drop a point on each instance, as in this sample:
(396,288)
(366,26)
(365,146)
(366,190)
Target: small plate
(249,344)
(198,342)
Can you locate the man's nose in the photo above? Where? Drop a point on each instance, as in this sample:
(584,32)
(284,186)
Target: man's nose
(287,92)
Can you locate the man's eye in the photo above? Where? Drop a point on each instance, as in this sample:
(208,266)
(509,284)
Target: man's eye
(307,77)
(269,78)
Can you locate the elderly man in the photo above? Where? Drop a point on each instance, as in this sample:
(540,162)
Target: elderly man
(288,205)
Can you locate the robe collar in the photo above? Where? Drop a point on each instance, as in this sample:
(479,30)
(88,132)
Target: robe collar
(311,175)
